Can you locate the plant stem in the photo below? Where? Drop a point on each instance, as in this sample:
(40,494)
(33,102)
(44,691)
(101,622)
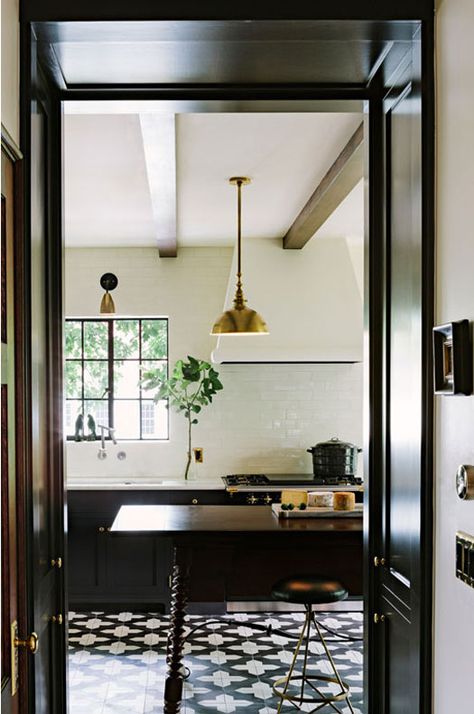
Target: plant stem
(189,447)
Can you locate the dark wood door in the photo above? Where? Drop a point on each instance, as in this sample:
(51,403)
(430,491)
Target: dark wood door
(45,525)
(10,571)
(400,556)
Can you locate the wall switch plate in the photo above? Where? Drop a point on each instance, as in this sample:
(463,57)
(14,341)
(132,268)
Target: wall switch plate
(465,557)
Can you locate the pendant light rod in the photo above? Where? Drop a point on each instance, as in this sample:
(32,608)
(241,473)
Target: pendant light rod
(239,181)
(239,231)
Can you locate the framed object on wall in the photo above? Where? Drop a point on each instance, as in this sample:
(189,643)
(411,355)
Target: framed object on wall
(452,352)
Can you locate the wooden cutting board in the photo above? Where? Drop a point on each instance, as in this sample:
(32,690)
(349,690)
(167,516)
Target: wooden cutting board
(317,512)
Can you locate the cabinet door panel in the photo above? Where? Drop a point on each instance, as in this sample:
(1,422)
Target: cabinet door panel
(85,552)
(131,562)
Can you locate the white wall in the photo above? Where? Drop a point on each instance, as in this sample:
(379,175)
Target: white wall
(266,416)
(10,68)
(454,601)
(309,298)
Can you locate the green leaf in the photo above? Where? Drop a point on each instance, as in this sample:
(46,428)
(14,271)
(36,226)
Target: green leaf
(191,387)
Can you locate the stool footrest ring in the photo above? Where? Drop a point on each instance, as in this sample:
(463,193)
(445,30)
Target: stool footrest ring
(323,699)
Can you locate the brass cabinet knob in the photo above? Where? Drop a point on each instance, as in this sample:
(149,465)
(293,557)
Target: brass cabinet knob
(378,618)
(378,561)
(57,562)
(57,619)
(31,643)
(101,529)
(194,501)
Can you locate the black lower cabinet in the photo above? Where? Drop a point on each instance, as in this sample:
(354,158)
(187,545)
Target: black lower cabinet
(105,571)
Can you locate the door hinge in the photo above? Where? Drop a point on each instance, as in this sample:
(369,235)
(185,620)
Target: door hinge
(58,619)
(379,561)
(57,562)
(15,673)
(170,581)
(378,618)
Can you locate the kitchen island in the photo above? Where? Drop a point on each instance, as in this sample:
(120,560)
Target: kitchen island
(218,550)
(106,573)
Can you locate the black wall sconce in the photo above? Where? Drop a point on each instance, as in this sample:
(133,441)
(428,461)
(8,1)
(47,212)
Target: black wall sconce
(452,357)
(108,282)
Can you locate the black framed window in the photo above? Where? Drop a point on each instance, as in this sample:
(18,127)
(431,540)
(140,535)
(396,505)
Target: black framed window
(103,362)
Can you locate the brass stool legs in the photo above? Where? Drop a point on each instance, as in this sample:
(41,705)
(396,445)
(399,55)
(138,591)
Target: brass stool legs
(308,679)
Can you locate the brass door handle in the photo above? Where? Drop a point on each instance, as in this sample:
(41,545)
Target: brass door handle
(31,643)
(57,562)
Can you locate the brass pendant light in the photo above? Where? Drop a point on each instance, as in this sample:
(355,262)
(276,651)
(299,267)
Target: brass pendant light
(240,320)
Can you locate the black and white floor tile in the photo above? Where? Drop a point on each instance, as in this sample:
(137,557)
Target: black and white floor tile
(117,662)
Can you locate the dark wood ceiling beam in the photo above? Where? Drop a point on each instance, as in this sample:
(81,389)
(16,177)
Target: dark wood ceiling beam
(344,174)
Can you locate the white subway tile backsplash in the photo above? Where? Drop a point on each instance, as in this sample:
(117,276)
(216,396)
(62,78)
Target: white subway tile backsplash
(247,429)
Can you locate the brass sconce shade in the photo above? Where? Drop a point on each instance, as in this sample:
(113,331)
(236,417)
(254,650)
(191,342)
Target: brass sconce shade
(239,320)
(108,282)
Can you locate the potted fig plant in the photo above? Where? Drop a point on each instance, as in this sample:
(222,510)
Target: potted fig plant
(190,388)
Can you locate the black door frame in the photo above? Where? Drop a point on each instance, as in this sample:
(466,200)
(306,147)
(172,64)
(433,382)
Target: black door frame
(375,316)
(376,307)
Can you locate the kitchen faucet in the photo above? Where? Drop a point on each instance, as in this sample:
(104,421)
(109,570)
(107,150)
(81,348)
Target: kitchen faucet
(102,452)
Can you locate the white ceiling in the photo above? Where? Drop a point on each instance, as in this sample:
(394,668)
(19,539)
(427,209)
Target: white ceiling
(107,197)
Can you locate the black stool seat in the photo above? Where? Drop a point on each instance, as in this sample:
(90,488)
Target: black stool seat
(308,590)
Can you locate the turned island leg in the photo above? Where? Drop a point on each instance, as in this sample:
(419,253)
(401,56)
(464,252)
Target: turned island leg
(174,652)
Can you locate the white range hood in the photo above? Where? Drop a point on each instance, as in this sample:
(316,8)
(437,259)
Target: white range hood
(311,300)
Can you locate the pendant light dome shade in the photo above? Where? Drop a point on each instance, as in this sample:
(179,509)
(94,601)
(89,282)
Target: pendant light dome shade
(239,320)
(107,305)
(243,321)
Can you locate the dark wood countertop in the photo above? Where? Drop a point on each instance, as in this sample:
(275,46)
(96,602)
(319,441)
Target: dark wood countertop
(215,519)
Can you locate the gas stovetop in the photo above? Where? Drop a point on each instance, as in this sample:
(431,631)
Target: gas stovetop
(288,480)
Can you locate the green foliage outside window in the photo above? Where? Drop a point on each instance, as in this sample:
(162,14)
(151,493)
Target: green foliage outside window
(103,363)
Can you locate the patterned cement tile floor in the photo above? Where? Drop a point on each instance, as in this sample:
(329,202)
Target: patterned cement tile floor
(116,662)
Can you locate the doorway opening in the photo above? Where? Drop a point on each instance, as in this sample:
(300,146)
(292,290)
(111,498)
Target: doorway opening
(132,171)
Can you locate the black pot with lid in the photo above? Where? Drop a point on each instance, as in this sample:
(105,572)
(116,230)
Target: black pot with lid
(334,458)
